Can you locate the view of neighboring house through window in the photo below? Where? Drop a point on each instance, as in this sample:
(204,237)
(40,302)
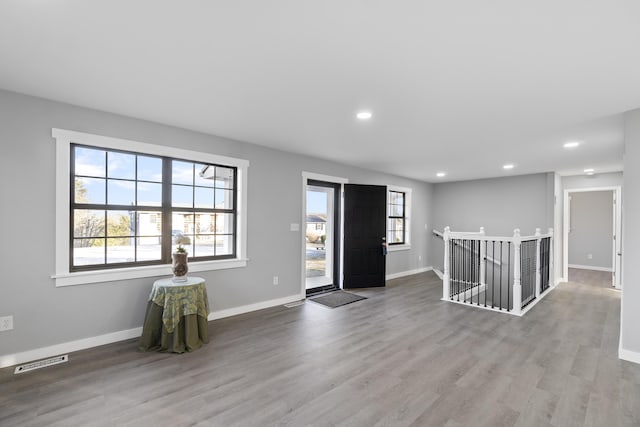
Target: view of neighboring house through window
(128,208)
(396,223)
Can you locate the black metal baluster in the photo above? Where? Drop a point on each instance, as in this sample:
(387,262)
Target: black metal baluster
(493,274)
(501,243)
(465,267)
(478,243)
(469,270)
(458,273)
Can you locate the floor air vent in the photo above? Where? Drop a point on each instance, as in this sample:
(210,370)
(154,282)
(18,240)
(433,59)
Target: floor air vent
(41,364)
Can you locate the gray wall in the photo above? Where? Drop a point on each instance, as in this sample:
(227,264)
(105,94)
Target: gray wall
(630,316)
(499,205)
(591,231)
(45,315)
(577,182)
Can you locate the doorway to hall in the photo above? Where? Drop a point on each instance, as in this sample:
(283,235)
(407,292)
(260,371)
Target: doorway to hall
(322,236)
(592,230)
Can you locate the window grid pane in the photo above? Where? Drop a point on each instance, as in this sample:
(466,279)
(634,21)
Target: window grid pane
(118,208)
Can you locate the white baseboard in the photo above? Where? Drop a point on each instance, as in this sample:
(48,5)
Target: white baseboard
(83,344)
(439,273)
(589,267)
(67,347)
(220,314)
(628,355)
(408,273)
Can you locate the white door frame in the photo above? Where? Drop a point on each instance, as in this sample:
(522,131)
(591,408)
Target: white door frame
(303,240)
(617,231)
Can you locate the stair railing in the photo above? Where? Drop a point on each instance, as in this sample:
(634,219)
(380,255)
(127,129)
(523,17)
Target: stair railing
(508,274)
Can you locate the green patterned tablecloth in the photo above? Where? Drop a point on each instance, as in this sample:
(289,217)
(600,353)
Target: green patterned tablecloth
(180,299)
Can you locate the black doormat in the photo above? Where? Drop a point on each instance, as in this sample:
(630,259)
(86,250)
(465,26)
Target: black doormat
(337,298)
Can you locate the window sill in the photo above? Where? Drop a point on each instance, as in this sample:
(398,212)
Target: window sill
(394,248)
(100,276)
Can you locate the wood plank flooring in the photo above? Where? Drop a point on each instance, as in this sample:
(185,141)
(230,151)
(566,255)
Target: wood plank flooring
(401,357)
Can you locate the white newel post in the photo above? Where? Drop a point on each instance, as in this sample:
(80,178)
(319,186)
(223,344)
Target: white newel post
(552,269)
(538,240)
(445,274)
(517,287)
(483,261)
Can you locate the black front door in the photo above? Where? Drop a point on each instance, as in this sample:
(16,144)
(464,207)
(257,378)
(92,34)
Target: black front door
(365,211)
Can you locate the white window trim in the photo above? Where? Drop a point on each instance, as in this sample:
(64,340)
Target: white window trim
(407,218)
(63,277)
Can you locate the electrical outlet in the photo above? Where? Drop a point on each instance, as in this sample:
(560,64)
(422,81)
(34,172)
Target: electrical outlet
(589,256)
(275,280)
(419,257)
(6,323)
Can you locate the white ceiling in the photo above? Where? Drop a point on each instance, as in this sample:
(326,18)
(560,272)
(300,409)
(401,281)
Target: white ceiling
(460,86)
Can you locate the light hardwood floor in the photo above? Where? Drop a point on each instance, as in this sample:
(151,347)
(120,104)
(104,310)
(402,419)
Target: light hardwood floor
(401,357)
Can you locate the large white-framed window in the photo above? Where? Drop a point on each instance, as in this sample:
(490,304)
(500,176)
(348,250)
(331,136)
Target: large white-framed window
(120,205)
(398,218)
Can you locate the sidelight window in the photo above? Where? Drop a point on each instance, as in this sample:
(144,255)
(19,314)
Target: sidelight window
(398,212)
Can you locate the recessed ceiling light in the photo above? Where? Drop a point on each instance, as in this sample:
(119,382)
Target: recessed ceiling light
(571,144)
(440,174)
(508,166)
(364,115)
